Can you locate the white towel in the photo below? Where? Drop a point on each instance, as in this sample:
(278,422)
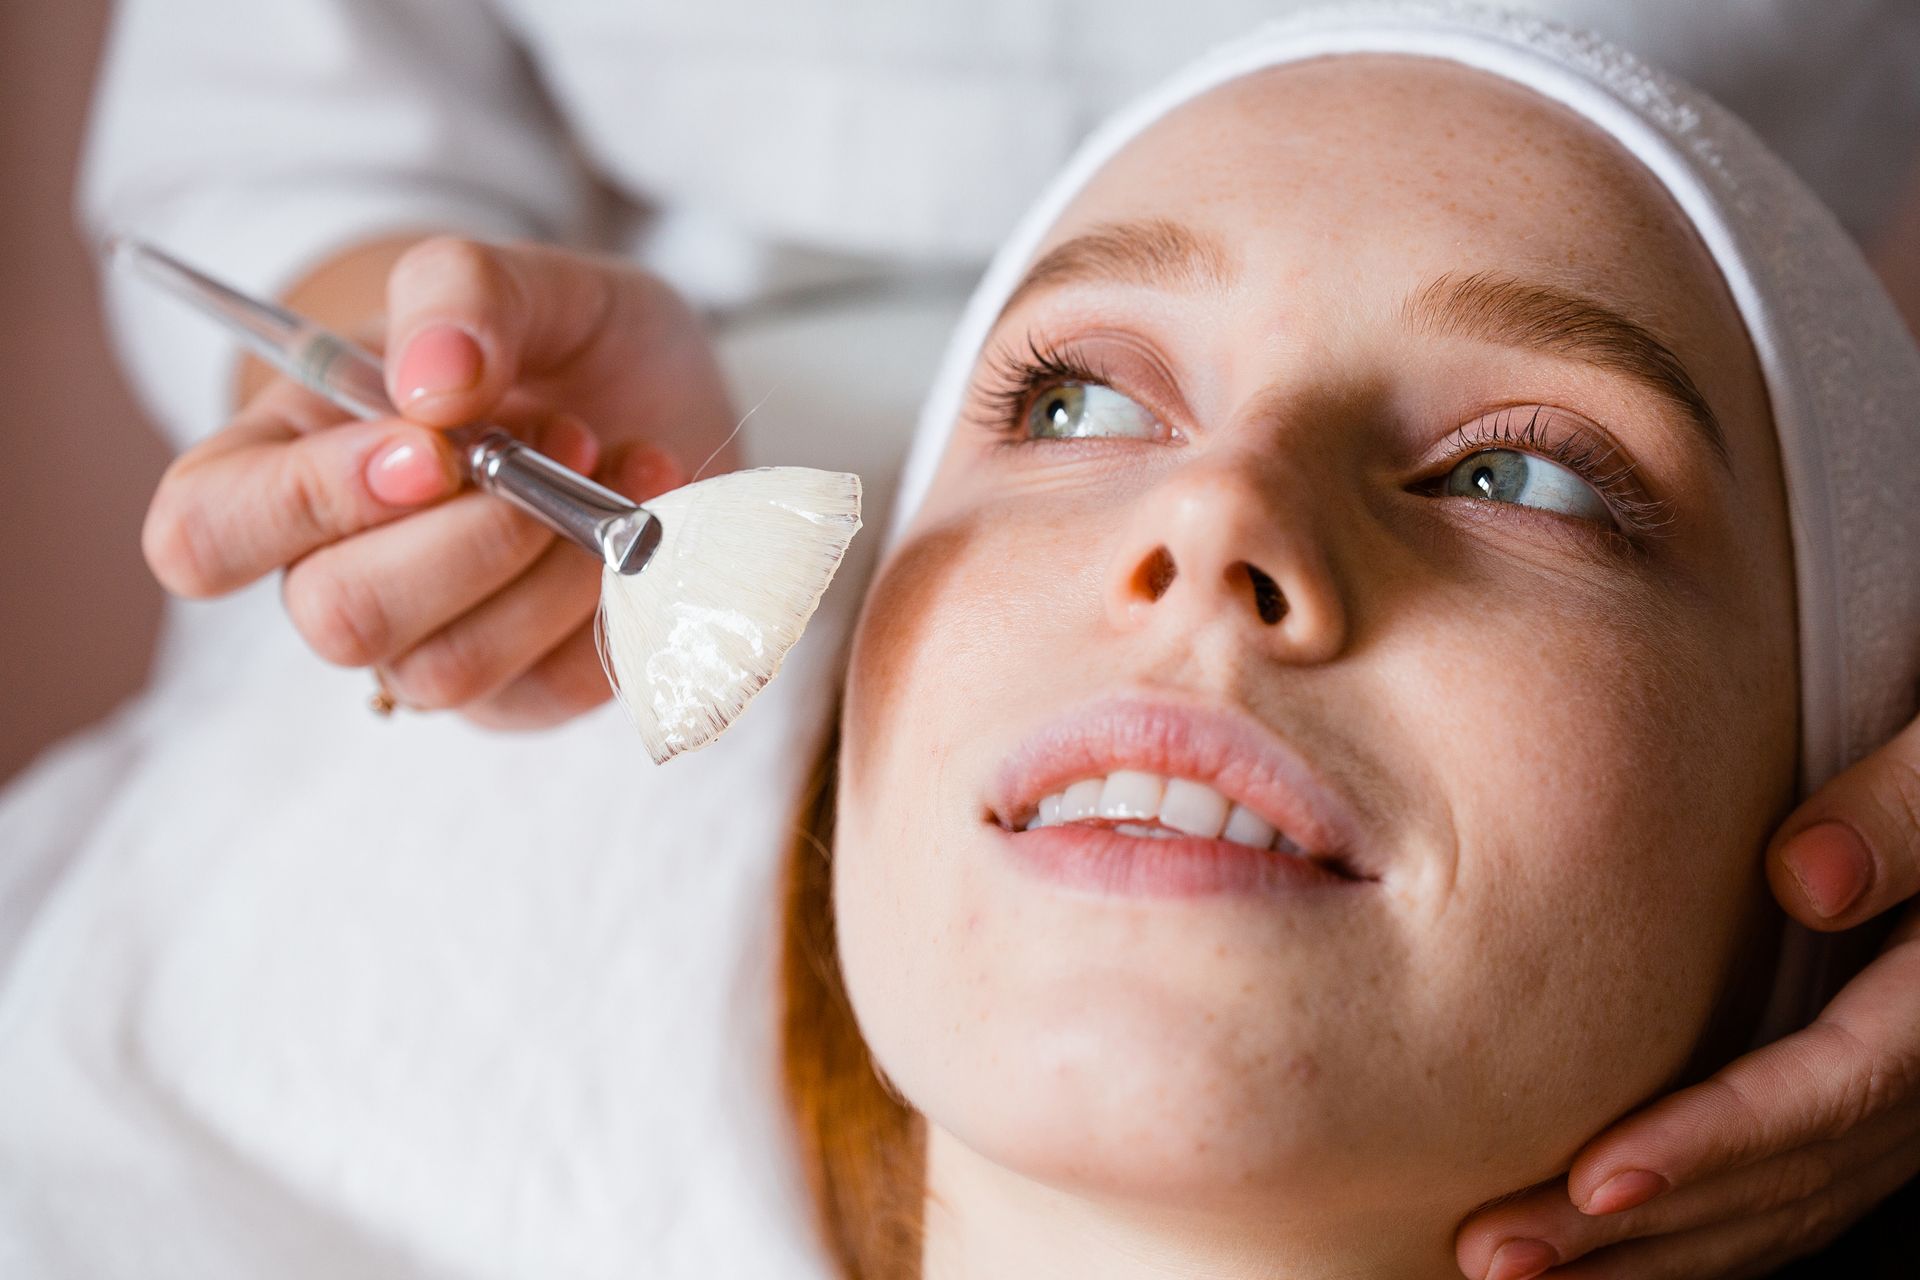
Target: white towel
(1841,368)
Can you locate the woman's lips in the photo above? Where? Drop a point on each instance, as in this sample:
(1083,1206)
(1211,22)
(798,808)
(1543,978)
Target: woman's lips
(1222,748)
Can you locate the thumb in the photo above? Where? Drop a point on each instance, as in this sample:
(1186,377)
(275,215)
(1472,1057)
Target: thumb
(1853,848)
(467,321)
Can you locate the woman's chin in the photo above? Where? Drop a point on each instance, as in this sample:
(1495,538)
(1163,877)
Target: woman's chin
(1104,1099)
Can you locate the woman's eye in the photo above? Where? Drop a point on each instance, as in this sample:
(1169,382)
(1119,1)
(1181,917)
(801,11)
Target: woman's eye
(1508,475)
(1071,410)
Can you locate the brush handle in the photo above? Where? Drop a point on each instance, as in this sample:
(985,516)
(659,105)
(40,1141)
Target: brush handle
(603,522)
(563,500)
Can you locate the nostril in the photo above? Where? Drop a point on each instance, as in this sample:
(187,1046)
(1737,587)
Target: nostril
(1155,574)
(1267,600)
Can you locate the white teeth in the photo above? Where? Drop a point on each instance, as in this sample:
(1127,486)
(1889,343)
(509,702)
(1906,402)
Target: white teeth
(1137,829)
(1081,800)
(1244,826)
(1193,807)
(1129,793)
(1171,807)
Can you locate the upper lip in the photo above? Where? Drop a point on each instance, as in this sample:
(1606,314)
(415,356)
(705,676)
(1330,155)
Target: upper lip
(1226,748)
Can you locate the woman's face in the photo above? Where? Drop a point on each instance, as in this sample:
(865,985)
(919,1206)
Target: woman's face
(1394,521)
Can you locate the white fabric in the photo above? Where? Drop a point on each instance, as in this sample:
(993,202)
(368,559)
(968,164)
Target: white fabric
(288,991)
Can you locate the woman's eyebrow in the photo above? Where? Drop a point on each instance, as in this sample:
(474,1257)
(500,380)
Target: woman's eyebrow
(1151,251)
(1538,317)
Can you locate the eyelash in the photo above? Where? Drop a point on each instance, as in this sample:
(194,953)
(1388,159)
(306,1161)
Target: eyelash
(1017,379)
(1580,451)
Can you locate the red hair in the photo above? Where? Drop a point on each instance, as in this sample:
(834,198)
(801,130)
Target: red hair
(862,1147)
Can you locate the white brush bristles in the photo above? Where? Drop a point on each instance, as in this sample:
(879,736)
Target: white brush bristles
(743,562)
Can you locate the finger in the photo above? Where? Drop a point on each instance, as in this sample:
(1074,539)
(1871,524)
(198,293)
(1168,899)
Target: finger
(1859,1059)
(469,319)
(1852,849)
(1741,1247)
(481,652)
(478,653)
(1533,1217)
(563,683)
(261,494)
(373,596)
(1546,1217)
(638,470)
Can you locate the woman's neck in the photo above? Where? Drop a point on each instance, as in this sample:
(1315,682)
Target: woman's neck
(982,1221)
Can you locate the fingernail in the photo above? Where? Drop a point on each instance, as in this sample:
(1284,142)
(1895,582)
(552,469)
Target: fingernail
(440,359)
(568,440)
(1521,1260)
(1832,864)
(405,474)
(1628,1190)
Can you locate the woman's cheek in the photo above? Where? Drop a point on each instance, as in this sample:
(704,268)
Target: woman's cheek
(1599,867)
(913,673)
(896,623)
(943,624)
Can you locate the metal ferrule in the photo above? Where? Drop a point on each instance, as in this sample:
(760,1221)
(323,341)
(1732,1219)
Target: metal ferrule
(605,523)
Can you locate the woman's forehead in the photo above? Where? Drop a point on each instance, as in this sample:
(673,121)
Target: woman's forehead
(1404,157)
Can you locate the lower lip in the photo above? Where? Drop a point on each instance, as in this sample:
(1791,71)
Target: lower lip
(1105,862)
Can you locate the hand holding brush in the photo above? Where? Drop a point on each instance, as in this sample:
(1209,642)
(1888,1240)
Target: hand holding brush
(703,589)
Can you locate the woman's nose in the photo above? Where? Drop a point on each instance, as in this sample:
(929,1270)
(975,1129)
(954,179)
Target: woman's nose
(1209,545)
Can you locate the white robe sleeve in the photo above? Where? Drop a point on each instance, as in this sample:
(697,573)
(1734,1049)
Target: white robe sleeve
(256,143)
